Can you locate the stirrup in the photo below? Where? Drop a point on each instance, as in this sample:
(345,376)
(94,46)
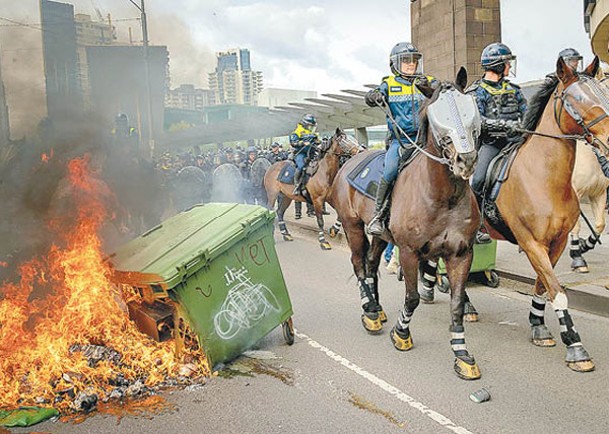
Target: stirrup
(375,227)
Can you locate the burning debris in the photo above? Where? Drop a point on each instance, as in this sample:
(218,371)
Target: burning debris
(65,336)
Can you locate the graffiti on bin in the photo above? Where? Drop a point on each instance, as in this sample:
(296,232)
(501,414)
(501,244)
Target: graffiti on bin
(245,305)
(255,251)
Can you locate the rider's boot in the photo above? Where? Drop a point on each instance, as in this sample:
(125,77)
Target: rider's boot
(376,226)
(482,237)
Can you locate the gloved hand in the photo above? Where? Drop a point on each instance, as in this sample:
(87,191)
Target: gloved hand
(375,98)
(512,127)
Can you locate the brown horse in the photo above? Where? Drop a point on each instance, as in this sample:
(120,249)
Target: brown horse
(589,182)
(433,214)
(317,186)
(537,201)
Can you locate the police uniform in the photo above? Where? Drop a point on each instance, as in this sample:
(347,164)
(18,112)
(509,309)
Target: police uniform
(301,141)
(404,101)
(500,100)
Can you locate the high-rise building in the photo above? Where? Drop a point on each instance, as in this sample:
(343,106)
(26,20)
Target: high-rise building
(64,96)
(187,97)
(89,33)
(234,81)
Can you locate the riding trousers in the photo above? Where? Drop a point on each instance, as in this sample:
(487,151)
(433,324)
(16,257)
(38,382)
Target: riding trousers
(486,153)
(392,159)
(300,157)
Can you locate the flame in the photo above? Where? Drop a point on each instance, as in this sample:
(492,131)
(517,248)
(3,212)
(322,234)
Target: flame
(66,298)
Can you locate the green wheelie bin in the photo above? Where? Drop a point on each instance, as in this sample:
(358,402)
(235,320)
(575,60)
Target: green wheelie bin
(482,268)
(214,267)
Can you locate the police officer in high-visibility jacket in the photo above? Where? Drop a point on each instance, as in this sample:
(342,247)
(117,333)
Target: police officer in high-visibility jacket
(502,106)
(302,140)
(397,93)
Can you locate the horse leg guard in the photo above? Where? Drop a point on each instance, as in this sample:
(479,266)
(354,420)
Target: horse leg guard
(578,358)
(298,210)
(541,336)
(323,243)
(373,282)
(402,340)
(587,244)
(578,263)
(284,232)
(470,314)
(335,229)
(371,319)
(428,276)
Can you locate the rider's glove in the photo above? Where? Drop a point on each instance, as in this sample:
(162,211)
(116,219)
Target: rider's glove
(375,98)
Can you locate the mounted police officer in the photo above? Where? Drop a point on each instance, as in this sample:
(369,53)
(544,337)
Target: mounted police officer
(398,92)
(572,59)
(502,106)
(302,141)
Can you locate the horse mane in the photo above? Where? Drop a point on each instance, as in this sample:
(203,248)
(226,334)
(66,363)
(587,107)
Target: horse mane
(538,104)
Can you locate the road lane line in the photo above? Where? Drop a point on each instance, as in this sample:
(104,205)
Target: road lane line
(392,390)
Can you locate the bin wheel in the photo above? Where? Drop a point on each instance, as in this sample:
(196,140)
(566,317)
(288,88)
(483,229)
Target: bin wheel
(400,274)
(492,278)
(288,331)
(443,284)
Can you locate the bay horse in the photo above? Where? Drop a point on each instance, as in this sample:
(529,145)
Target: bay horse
(433,214)
(318,185)
(589,182)
(537,201)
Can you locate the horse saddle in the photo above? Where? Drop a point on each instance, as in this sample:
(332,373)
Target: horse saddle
(366,175)
(286,176)
(499,170)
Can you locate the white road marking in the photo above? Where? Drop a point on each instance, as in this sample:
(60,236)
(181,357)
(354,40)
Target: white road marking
(392,390)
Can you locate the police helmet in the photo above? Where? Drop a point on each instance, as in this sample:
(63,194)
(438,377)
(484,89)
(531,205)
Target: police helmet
(252,150)
(495,56)
(572,58)
(309,122)
(405,52)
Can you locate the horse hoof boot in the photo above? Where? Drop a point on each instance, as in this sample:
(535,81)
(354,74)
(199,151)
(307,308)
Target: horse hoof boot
(466,368)
(582,270)
(470,317)
(578,359)
(382,316)
(426,295)
(287,237)
(579,265)
(333,232)
(586,366)
(372,322)
(541,336)
(401,343)
(325,246)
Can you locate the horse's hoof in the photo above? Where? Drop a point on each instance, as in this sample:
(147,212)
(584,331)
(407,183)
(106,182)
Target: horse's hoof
(541,336)
(325,246)
(372,322)
(467,369)
(287,237)
(382,316)
(333,232)
(470,317)
(585,366)
(582,270)
(400,343)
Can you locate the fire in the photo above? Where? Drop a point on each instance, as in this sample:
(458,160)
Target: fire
(65,302)
(46,157)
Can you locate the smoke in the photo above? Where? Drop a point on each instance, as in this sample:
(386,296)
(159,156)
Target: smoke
(22,66)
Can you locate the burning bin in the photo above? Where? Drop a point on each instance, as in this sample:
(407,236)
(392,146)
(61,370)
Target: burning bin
(215,267)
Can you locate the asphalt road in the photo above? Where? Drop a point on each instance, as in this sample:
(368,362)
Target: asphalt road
(336,378)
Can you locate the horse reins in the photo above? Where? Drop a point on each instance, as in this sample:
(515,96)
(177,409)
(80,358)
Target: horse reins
(441,160)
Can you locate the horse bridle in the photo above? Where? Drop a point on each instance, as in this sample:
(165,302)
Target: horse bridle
(587,135)
(342,141)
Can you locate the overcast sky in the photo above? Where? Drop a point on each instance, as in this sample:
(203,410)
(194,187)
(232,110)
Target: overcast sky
(322,45)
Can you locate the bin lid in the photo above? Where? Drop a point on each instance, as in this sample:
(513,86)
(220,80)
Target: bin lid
(181,245)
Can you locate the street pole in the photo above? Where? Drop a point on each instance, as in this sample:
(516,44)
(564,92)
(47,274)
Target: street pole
(142,10)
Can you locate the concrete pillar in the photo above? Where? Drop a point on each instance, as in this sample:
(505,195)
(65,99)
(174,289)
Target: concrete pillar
(361,135)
